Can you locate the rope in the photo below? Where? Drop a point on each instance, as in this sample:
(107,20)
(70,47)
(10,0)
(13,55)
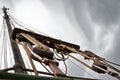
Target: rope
(5,46)
(110,66)
(30,46)
(64,62)
(108,72)
(81,62)
(21,25)
(9,51)
(29,56)
(45,67)
(75,51)
(11,23)
(55,53)
(66,70)
(5,54)
(112,63)
(81,68)
(60,58)
(2,44)
(2,55)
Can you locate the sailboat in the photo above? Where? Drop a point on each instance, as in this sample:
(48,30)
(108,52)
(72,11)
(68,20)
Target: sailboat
(48,52)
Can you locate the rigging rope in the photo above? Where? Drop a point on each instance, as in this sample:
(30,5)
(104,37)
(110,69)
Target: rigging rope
(81,68)
(112,63)
(66,70)
(110,66)
(5,46)
(21,25)
(2,44)
(30,46)
(45,67)
(28,52)
(30,57)
(11,23)
(80,62)
(61,58)
(9,51)
(6,52)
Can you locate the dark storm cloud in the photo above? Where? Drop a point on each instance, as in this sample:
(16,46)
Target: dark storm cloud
(105,11)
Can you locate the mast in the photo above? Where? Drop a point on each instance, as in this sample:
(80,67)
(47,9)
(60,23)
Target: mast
(19,64)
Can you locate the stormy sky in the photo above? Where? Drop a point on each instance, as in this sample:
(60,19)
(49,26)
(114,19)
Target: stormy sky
(92,24)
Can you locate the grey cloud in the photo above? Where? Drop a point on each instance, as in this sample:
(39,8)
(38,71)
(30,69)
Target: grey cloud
(107,14)
(77,11)
(116,52)
(104,11)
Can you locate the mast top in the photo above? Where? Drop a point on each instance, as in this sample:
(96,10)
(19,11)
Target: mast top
(5,12)
(4,8)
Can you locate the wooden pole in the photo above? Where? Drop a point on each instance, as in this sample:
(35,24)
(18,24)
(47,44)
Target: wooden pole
(19,64)
(28,52)
(51,63)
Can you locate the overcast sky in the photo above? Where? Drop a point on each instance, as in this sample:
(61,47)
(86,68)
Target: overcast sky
(92,24)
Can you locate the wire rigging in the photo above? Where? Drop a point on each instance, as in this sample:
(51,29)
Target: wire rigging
(6,55)
(2,44)
(61,58)
(58,57)
(25,26)
(45,67)
(81,68)
(2,51)
(9,50)
(19,23)
(112,63)
(5,52)
(4,47)
(66,70)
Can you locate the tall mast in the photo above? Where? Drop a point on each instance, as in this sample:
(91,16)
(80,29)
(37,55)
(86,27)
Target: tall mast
(19,64)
